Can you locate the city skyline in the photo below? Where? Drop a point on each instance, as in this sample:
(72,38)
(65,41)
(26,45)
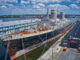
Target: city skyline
(16,7)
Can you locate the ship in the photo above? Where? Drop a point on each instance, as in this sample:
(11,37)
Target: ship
(20,36)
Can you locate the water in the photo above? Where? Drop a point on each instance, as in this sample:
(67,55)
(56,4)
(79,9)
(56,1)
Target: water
(24,18)
(14,19)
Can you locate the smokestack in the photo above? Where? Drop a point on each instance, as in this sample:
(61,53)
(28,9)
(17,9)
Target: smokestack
(62,16)
(53,14)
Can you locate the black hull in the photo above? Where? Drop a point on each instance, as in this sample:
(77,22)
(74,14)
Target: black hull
(3,53)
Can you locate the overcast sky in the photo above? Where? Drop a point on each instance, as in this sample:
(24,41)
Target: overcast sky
(11,7)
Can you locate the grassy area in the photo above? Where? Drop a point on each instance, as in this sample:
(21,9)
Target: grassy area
(36,53)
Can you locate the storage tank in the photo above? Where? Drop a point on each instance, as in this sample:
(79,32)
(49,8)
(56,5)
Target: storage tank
(53,14)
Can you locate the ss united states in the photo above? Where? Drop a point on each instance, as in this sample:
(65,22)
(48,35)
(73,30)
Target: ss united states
(30,32)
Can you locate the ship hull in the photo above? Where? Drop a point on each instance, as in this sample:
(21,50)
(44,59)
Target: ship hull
(16,45)
(23,43)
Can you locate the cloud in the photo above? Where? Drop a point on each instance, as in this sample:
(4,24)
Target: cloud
(25,2)
(39,5)
(36,6)
(55,0)
(74,1)
(10,5)
(58,6)
(45,1)
(9,1)
(3,6)
(74,6)
(41,1)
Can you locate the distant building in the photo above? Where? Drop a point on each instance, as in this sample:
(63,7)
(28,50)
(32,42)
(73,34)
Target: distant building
(62,16)
(53,14)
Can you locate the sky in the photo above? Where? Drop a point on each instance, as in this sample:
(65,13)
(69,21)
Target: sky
(21,7)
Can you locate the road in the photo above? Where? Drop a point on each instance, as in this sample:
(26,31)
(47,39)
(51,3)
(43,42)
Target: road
(70,54)
(75,32)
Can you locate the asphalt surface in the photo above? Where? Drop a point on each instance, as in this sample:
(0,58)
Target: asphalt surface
(75,32)
(70,54)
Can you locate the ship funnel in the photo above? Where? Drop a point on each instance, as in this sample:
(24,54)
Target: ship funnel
(53,14)
(62,16)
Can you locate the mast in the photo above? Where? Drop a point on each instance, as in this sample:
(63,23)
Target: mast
(47,13)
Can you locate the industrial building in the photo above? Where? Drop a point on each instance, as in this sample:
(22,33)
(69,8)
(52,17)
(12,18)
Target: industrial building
(74,43)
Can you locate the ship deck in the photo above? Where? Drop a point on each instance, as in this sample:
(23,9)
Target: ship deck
(23,34)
